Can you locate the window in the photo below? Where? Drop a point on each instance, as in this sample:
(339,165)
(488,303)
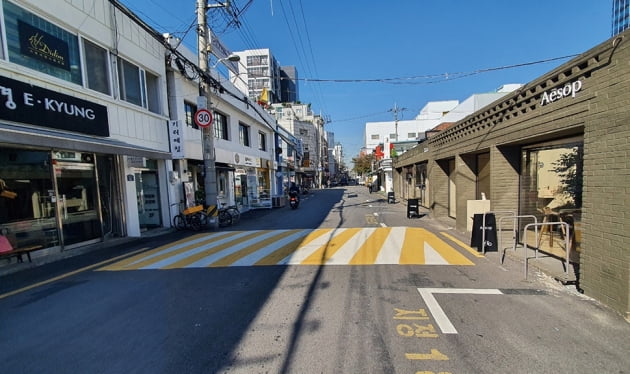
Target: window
(303,132)
(190,110)
(243,134)
(393,137)
(138,87)
(152,93)
(411,135)
(129,82)
(262,141)
(552,184)
(220,126)
(96,67)
(55,52)
(374,137)
(257,60)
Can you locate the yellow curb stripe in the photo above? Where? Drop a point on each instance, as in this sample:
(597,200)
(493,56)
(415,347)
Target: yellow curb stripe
(450,254)
(35,285)
(463,245)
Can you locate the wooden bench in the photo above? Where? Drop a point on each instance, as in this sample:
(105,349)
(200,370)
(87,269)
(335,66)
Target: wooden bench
(18,252)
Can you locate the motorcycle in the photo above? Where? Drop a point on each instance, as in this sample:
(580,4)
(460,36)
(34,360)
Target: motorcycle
(294,200)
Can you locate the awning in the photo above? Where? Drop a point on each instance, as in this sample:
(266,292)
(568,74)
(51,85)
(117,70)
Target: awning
(50,139)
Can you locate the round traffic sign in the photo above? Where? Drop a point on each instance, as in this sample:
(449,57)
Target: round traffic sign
(203,118)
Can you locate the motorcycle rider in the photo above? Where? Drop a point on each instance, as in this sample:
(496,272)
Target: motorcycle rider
(294,188)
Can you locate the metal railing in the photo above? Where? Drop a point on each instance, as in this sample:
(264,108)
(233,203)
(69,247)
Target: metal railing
(515,220)
(567,246)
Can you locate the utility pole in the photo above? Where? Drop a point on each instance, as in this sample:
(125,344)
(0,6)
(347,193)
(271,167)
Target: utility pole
(204,102)
(395,110)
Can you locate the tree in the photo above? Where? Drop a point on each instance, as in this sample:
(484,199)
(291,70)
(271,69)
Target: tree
(363,163)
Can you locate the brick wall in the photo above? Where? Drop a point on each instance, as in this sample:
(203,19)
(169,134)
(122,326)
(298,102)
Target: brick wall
(599,113)
(605,264)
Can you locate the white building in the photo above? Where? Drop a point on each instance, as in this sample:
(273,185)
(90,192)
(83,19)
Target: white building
(405,133)
(477,101)
(243,141)
(83,126)
(384,132)
(299,120)
(258,69)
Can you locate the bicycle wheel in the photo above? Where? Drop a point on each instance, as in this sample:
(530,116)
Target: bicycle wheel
(179,222)
(203,219)
(195,222)
(225,218)
(235,215)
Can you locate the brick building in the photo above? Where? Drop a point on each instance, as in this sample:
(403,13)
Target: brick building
(556,148)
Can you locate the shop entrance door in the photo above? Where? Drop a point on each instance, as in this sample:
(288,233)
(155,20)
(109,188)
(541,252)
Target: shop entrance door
(77,206)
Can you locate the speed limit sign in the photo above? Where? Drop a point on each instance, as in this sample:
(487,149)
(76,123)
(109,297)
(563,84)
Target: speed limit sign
(203,118)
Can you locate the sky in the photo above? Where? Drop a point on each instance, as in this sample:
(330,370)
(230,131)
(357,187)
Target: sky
(357,59)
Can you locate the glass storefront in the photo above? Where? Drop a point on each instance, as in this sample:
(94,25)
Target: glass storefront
(551,190)
(49,199)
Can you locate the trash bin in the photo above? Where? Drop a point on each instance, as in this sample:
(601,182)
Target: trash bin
(412,208)
(390,198)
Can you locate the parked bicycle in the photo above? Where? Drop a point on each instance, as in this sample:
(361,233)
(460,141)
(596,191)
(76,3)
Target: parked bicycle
(193,218)
(228,215)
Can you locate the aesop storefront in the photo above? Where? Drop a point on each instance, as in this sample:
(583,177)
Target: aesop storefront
(555,149)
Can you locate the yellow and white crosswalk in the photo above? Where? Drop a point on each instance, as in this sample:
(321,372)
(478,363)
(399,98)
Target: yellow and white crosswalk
(340,246)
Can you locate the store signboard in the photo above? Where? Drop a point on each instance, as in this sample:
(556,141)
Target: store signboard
(43,46)
(33,105)
(176,138)
(570,89)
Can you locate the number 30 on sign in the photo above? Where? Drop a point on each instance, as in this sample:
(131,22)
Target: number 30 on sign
(203,118)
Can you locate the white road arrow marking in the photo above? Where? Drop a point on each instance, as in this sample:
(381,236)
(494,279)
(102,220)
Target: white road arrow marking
(436,310)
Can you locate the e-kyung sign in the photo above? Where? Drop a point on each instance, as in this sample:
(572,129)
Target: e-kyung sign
(29,104)
(570,89)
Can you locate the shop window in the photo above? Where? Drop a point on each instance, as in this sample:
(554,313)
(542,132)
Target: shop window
(551,190)
(243,134)
(96,67)
(220,126)
(39,45)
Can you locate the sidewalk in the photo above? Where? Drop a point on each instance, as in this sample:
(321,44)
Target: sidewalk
(552,265)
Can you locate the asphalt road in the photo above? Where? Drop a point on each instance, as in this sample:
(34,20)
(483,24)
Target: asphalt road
(137,308)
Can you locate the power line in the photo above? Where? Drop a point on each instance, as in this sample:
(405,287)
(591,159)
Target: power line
(442,77)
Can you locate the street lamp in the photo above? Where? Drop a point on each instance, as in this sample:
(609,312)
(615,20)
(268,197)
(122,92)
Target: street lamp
(233,58)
